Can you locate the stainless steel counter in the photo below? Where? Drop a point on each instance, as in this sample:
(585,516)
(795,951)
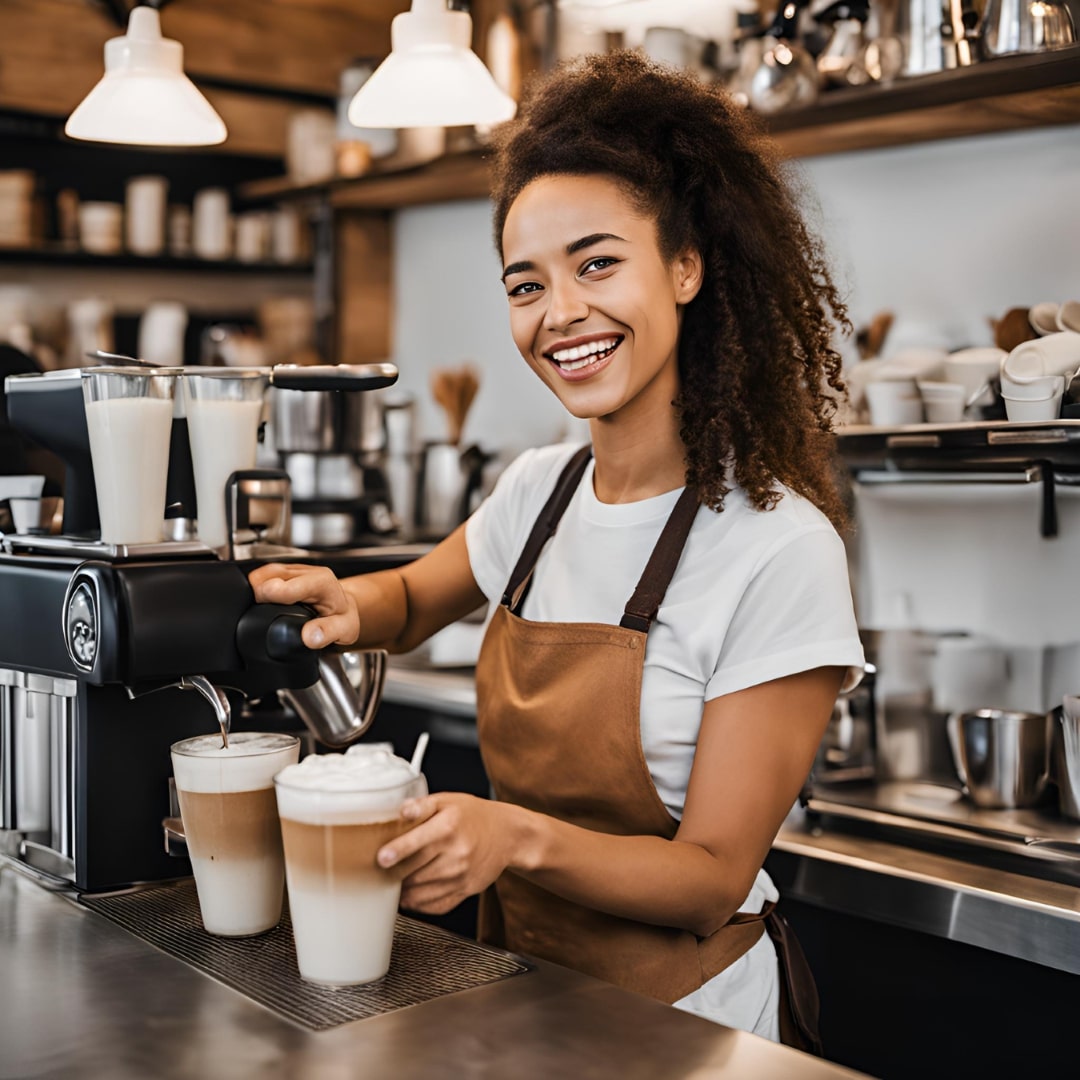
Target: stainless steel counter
(80,997)
(1009,913)
(1013,914)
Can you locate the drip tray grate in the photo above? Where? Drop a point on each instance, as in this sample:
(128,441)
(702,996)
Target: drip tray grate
(427,962)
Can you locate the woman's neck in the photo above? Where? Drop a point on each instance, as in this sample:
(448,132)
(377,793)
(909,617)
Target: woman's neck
(638,451)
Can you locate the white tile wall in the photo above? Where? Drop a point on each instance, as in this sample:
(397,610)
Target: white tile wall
(943,234)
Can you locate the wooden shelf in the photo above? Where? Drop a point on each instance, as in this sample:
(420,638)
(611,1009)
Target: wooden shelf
(1036,90)
(57,256)
(1006,94)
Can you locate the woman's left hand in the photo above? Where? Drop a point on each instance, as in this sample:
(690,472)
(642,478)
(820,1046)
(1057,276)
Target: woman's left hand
(459,848)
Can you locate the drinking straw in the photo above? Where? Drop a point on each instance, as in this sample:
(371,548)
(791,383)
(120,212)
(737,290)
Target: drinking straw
(418,753)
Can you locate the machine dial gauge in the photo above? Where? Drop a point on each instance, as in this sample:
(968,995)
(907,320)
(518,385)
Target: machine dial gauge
(81,624)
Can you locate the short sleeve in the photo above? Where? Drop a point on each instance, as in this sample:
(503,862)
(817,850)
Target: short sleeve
(497,531)
(795,614)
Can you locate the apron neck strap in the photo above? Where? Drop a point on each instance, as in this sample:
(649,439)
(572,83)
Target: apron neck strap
(642,607)
(544,529)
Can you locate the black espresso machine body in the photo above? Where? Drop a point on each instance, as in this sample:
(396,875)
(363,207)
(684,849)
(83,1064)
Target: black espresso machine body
(92,655)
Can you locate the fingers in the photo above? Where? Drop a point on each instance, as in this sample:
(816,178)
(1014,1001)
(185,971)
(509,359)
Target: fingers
(278,583)
(432,900)
(341,629)
(427,832)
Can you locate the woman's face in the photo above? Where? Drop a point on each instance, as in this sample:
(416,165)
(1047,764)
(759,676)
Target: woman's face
(594,307)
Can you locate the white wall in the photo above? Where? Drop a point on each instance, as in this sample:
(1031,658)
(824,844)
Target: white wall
(943,234)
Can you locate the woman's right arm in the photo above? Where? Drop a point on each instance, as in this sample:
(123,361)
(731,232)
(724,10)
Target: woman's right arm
(390,609)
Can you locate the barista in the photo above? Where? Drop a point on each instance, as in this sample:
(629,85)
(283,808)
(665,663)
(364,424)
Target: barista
(672,619)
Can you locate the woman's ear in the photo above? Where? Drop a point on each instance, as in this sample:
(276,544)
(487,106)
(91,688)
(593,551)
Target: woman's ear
(688,272)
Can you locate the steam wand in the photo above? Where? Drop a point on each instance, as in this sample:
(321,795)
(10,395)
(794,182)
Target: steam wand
(202,685)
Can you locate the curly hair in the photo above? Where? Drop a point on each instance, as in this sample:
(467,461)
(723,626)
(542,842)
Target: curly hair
(759,378)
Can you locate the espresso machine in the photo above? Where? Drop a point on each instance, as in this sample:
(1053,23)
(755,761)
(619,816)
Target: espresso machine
(332,446)
(963,566)
(110,653)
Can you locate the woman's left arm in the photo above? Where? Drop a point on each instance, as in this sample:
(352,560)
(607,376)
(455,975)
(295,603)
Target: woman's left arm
(754,752)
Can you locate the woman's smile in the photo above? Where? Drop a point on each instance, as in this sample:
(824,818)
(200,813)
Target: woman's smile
(583,357)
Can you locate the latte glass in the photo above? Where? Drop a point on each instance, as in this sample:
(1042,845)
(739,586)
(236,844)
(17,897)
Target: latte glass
(231,824)
(336,811)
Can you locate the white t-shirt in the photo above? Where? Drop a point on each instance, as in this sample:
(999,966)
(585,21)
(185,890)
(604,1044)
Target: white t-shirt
(756,596)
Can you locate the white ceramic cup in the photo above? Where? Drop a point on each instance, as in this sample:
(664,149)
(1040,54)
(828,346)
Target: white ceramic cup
(894,402)
(145,203)
(229,811)
(1025,410)
(1054,354)
(286,241)
(1043,317)
(1039,389)
(252,236)
(1068,316)
(943,402)
(101,227)
(975,367)
(161,333)
(210,226)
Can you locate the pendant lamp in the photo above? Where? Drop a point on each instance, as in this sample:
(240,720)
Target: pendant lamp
(431,78)
(144,98)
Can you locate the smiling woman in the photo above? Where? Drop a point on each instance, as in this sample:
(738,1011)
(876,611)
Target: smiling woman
(643,743)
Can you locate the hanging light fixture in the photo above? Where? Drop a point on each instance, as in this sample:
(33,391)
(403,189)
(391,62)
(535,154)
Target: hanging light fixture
(431,78)
(144,98)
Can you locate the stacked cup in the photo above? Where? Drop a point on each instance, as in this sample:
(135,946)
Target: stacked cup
(1034,375)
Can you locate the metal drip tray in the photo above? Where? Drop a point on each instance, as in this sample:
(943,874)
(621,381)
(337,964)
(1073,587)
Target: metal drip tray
(427,962)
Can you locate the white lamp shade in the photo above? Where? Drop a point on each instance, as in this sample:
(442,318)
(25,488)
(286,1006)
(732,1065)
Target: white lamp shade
(144,98)
(431,78)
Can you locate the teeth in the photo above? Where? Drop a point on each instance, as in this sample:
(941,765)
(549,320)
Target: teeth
(569,356)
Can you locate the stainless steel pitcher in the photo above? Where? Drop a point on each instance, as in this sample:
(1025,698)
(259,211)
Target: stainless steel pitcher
(341,706)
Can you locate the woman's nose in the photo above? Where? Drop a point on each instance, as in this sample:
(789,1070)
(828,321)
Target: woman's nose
(566,306)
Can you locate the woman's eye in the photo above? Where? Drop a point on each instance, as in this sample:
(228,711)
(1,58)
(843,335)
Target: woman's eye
(524,289)
(601,262)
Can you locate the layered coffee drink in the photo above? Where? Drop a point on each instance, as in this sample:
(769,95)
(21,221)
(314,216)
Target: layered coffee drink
(230,820)
(336,811)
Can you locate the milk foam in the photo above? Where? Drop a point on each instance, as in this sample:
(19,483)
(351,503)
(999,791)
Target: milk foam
(365,784)
(248,764)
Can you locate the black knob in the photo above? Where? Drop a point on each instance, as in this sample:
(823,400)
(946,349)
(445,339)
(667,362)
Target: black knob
(283,640)
(272,632)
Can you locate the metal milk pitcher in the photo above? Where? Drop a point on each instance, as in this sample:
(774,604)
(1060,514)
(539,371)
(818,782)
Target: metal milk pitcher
(341,705)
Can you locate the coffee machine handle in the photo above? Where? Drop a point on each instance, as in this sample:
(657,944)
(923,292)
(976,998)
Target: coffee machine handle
(274,631)
(333,376)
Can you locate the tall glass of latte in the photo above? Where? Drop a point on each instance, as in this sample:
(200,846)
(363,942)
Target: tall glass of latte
(230,820)
(336,811)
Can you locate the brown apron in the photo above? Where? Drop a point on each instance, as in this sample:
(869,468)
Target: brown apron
(558,716)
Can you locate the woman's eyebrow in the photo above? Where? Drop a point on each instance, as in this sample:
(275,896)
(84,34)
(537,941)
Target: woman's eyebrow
(571,249)
(517,268)
(588,241)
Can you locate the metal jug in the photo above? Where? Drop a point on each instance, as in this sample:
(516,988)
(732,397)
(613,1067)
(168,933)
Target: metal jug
(341,705)
(1022,26)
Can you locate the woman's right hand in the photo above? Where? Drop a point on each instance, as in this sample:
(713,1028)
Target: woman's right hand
(295,583)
